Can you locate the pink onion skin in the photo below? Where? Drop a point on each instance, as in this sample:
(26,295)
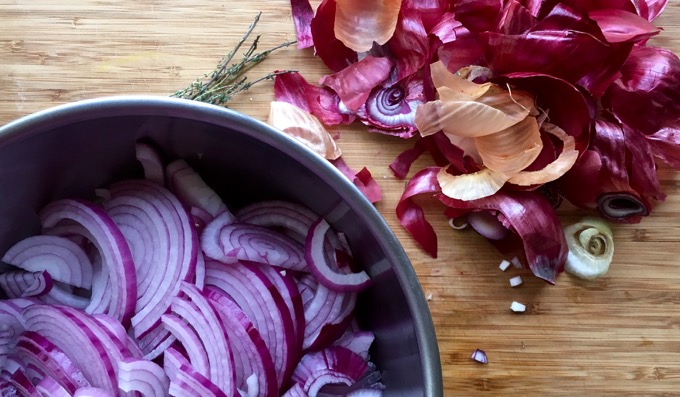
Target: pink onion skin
(530,217)
(363,180)
(302,17)
(354,84)
(618,164)
(477,15)
(322,102)
(431,11)
(647,99)
(568,107)
(409,45)
(411,215)
(539,233)
(334,54)
(592,62)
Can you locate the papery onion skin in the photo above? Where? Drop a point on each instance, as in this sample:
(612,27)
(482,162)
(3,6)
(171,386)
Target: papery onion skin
(302,17)
(530,217)
(359,23)
(354,83)
(334,54)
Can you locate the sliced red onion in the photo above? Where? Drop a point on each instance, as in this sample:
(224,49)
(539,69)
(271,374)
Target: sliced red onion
(76,340)
(114,329)
(21,284)
(12,324)
(19,381)
(307,285)
(333,365)
(35,350)
(50,387)
(188,185)
(251,355)
(326,316)
(211,236)
(142,376)
(201,218)
(285,284)
(185,381)
(186,335)
(295,391)
(63,259)
(158,345)
(62,294)
(181,250)
(200,270)
(294,218)
(357,341)
(93,392)
(317,260)
(487,224)
(198,312)
(226,242)
(252,291)
(106,236)
(151,163)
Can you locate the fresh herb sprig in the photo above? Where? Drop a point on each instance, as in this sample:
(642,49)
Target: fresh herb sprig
(228,79)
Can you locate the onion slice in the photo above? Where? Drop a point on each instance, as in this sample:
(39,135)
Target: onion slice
(252,291)
(151,162)
(333,365)
(142,376)
(191,189)
(226,242)
(251,355)
(63,259)
(100,229)
(317,259)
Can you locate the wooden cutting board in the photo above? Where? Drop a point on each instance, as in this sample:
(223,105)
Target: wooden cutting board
(618,335)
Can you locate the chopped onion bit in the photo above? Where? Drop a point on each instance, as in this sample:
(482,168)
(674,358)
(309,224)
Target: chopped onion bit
(504,265)
(480,356)
(518,307)
(515,281)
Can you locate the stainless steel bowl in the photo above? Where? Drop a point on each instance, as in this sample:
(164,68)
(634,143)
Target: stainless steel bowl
(70,150)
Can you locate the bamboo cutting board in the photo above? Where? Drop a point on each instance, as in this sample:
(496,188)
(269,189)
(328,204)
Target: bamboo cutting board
(618,335)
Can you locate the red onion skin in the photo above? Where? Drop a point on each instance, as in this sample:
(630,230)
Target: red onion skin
(409,44)
(302,17)
(334,54)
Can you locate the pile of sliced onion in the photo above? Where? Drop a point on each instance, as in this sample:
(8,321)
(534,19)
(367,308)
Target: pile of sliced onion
(161,290)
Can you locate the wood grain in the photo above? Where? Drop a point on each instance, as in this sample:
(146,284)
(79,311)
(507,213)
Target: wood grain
(619,335)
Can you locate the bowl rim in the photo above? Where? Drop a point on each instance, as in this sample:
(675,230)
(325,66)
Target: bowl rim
(149,105)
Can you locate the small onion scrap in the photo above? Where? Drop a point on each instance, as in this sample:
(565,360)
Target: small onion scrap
(125,298)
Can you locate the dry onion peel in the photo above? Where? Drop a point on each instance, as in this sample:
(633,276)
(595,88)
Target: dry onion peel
(304,127)
(472,186)
(359,23)
(557,168)
(591,248)
(512,149)
(470,112)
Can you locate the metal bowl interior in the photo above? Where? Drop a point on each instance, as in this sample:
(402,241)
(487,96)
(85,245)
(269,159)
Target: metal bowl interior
(70,150)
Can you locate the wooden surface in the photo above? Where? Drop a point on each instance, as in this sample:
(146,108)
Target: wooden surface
(619,335)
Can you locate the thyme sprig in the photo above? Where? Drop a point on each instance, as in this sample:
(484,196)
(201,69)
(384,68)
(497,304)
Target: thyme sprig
(228,79)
